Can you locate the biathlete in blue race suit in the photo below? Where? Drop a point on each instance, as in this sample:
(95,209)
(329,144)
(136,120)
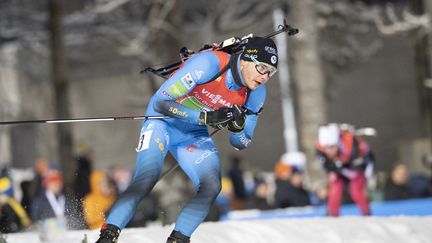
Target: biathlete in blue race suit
(211,88)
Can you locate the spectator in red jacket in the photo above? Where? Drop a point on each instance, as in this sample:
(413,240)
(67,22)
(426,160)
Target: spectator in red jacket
(345,157)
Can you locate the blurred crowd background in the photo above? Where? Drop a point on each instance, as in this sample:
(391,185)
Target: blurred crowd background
(35,199)
(362,62)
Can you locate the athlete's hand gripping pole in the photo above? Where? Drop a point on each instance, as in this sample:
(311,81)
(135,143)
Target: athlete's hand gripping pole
(238,121)
(218,118)
(234,118)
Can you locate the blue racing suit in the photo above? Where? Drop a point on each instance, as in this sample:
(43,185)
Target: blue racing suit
(182,97)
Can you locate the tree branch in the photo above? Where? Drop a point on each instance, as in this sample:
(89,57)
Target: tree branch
(406,22)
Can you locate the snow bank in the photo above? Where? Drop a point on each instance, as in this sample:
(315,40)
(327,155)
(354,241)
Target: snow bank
(304,230)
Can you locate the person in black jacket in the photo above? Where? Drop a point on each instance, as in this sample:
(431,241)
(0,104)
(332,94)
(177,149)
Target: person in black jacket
(84,161)
(259,198)
(396,187)
(289,181)
(236,176)
(290,193)
(84,168)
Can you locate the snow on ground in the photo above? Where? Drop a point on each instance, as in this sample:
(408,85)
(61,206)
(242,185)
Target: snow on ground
(296,230)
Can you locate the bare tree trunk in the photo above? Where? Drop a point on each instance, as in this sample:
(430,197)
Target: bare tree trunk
(423,62)
(307,74)
(165,16)
(61,92)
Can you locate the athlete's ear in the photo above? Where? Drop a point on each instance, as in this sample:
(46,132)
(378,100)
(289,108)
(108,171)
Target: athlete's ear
(242,64)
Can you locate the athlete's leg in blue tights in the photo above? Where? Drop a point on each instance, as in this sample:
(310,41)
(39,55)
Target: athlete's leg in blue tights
(199,159)
(151,150)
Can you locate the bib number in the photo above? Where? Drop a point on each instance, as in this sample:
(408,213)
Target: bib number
(144,140)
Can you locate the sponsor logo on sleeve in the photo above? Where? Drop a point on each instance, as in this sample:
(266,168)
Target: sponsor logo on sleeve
(191,148)
(160,144)
(188,81)
(176,111)
(164,93)
(244,140)
(177,90)
(200,142)
(229,80)
(198,74)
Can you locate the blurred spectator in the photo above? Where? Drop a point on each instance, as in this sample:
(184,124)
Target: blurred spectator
(98,202)
(319,195)
(32,188)
(27,197)
(121,178)
(259,199)
(396,187)
(4,172)
(235,173)
(283,173)
(84,169)
(13,217)
(419,185)
(82,180)
(346,158)
(42,169)
(289,181)
(49,207)
(298,196)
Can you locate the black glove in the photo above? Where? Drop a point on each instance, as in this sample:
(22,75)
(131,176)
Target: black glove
(358,163)
(239,118)
(332,165)
(218,118)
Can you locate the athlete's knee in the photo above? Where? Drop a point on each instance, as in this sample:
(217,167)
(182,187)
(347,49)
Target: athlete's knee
(149,165)
(210,186)
(216,187)
(142,183)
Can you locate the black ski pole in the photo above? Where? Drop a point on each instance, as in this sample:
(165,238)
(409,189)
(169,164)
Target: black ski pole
(87,119)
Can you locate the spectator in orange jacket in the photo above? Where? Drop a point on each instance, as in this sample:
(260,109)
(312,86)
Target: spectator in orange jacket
(98,202)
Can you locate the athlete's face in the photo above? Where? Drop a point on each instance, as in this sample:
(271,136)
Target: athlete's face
(252,78)
(331,151)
